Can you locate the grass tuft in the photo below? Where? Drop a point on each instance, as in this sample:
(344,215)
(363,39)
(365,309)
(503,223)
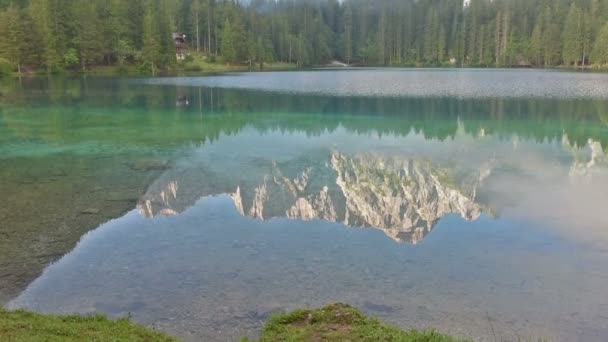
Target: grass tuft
(26,326)
(340,322)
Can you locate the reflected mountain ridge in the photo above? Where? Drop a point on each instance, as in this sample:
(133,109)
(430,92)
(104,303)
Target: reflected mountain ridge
(404,198)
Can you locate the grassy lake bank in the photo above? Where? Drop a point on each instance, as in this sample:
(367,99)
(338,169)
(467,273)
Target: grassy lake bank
(29,326)
(194,65)
(334,322)
(201,68)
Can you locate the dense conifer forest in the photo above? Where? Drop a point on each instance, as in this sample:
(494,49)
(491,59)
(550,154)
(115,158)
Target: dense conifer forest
(54,35)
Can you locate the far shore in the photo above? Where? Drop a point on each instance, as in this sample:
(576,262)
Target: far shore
(200,67)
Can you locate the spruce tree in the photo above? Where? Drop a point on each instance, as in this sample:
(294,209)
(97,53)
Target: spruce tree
(573,36)
(151,47)
(600,49)
(227,50)
(11,36)
(87,33)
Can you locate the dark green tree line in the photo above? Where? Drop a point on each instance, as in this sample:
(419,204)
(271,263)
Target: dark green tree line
(77,34)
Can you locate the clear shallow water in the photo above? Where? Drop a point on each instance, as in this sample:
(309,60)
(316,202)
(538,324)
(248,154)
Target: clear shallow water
(481,217)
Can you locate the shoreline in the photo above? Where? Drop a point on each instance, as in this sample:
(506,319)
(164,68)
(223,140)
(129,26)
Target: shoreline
(217,68)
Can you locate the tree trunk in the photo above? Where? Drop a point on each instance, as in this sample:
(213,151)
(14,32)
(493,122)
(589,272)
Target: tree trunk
(197,19)
(208,29)
(505,36)
(198,40)
(497,39)
(583,61)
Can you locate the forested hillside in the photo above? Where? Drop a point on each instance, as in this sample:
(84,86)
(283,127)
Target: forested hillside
(77,34)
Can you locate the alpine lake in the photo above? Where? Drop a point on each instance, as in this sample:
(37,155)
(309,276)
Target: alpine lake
(474,202)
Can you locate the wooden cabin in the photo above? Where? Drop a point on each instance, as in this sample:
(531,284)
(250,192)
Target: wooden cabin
(181,48)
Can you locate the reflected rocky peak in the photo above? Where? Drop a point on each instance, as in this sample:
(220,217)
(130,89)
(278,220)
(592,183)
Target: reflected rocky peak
(588,160)
(403,197)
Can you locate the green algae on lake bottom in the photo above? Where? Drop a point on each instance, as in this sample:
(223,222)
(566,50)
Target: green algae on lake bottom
(96,188)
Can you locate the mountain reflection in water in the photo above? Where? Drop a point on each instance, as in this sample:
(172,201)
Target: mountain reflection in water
(403,197)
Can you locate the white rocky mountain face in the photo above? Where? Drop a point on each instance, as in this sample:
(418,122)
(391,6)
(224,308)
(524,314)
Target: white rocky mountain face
(403,197)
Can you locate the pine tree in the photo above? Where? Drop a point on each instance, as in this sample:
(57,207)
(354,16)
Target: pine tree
(11,36)
(431,35)
(195,9)
(504,44)
(87,33)
(113,30)
(600,49)
(252,49)
(135,14)
(551,38)
(228,50)
(461,45)
(573,36)
(348,33)
(536,45)
(44,37)
(497,38)
(381,40)
(441,45)
(151,46)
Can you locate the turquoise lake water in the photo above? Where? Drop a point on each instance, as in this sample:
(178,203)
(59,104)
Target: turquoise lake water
(470,201)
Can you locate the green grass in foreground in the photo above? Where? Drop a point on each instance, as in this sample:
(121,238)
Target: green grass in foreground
(28,326)
(334,322)
(340,322)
